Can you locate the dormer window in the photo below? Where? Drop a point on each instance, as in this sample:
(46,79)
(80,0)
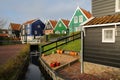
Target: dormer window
(117,6)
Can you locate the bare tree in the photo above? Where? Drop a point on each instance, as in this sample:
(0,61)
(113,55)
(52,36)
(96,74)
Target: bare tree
(3,22)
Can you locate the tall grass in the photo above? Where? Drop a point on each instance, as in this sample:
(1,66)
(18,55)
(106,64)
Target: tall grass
(9,70)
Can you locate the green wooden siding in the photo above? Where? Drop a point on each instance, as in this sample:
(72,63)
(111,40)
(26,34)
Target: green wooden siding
(72,24)
(60,28)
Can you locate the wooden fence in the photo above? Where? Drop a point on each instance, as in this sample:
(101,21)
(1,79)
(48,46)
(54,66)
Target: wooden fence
(60,42)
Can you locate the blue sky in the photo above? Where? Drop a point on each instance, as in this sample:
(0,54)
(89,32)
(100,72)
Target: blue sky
(20,11)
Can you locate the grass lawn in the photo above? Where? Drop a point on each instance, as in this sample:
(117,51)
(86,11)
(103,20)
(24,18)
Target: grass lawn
(73,46)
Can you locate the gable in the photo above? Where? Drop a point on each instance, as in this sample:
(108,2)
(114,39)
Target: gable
(60,26)
(53,23)
(78,13)
(48,26)
(15,26)
(65,22)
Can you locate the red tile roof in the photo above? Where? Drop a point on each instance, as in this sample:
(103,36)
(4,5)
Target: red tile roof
(53,22)
(3,35)
(29,22)
(66,22)
(104,19)
(87,13)
(15,26)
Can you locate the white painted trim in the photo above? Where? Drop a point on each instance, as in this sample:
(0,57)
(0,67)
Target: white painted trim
(46,21)
(98,25)
(73,15)
(116,30)
(83,13)
(50,23)
(64,24)
(78,8)
(56,24)
(86,21)
(113,37)
(117,6)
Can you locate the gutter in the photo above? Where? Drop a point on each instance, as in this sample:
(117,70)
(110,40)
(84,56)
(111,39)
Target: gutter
(98,25)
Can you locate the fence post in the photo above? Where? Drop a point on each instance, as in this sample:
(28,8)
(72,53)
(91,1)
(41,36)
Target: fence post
(73,37)
(66,39)
(56,44)
(41,50)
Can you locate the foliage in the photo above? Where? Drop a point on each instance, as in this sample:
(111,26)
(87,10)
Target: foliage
(11,69)
(55,36)
(8,41)
(73,46)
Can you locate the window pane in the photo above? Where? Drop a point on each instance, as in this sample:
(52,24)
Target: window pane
(80,18)
(38,26)
(28,31)
(35,32)
(60,25)
(108,34)
(75,19)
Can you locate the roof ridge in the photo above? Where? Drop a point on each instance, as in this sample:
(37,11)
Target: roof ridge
(30,21)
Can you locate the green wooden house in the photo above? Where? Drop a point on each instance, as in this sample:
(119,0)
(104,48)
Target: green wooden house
(80,15)
(61,27)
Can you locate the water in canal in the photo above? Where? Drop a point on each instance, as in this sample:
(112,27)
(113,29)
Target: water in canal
(33,72)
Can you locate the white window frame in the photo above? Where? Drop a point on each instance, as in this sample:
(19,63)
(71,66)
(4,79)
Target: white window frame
(60,25)
(28,31)
(23,31)
(23,27)
(117,5)
(75,19)
(57,32)
(28,25)
(38,26)
(107,40)
(80,18)
(64,32)
(35,32)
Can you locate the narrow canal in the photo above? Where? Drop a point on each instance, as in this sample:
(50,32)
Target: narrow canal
(33,71)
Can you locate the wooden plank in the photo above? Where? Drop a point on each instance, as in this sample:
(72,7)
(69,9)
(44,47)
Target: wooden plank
(103,7)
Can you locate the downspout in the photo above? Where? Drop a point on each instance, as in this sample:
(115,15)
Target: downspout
(81,52)
(115,29)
